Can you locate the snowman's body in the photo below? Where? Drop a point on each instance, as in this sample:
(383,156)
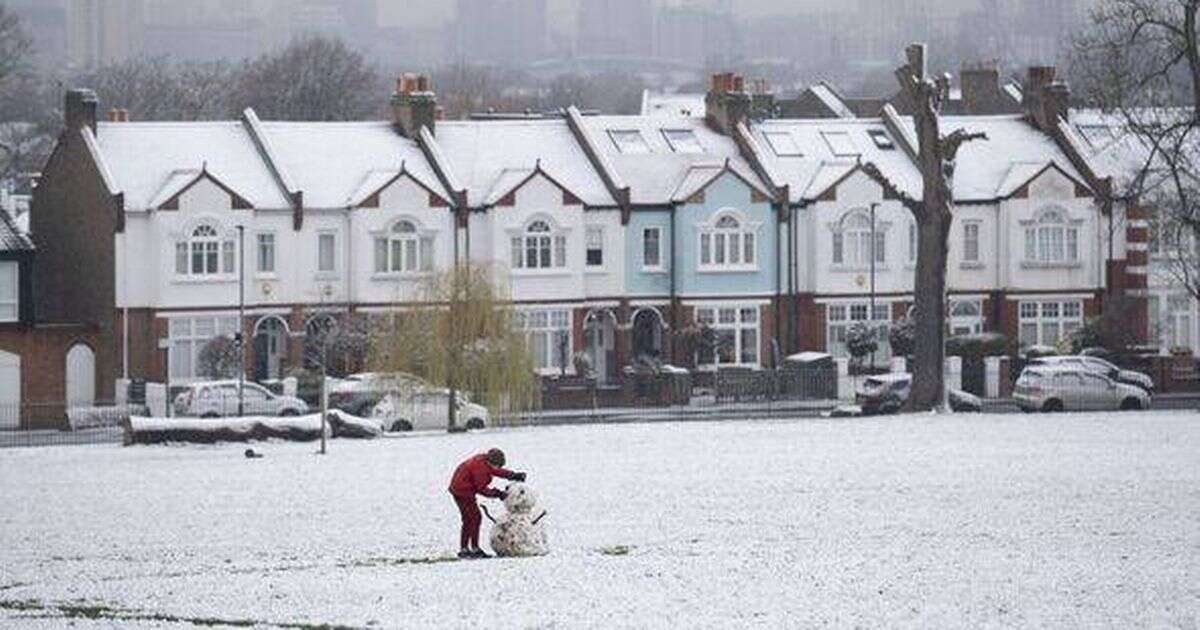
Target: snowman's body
(520,532)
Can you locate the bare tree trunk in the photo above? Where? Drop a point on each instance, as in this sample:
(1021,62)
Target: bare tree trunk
(929,329)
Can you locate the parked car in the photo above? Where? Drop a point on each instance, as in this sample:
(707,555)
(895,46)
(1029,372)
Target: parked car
(214,399)
(883,393)
(887,393)
(358,394)
(1074,388)
(428,409)
(1099,365)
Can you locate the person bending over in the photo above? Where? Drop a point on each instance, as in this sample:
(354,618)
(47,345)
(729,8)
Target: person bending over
(473,477)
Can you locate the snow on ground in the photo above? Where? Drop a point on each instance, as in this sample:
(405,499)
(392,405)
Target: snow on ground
(933,521)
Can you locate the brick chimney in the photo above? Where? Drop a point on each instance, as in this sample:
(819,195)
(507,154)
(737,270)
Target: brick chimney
(79,109)
(727,102)
(980,88)
(414,105)
(1045,100)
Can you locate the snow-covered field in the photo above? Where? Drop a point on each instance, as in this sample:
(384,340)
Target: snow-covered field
(931,521)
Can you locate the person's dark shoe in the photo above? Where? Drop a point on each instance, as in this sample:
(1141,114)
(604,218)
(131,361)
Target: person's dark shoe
(465,554)
(479,553)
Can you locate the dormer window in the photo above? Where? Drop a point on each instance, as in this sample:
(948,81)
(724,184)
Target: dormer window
(539,247)
(683,141)
(782,143)
(629,141)
(204,253)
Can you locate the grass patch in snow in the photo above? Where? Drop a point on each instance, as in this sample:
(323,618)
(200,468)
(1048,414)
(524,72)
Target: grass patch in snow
(615,550)
(391,562)
(84,610)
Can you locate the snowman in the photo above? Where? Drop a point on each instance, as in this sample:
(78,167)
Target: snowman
(520,532)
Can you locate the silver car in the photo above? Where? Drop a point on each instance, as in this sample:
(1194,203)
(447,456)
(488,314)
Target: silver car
(1099,366)
(215,399)
(1074,388)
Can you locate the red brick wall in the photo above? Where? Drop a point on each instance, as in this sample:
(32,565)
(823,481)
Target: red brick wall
(43,351)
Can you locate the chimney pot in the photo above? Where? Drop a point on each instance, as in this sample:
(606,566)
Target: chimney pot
(413,105)
(113,115)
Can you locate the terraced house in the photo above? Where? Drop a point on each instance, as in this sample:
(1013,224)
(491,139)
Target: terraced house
(613,233)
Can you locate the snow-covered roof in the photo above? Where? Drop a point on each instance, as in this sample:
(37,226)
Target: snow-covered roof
(656,174)
(331,162)
(811,155)
(487,155)
(1111,149)
(830,98)
(661,104)
(144,157)
(993,168)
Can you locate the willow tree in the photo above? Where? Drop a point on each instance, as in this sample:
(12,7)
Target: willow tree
(934,215)
(464,337)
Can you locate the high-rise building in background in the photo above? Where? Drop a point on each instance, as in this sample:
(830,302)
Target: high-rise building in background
(502,32)
(696,34)
(623,28)
(104,31)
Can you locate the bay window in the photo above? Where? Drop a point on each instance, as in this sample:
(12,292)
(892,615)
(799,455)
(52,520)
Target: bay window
(737,335)
(189,335)
(855,241)
(205,253)
(539,247)
(729,243)
(547,337)
(403,250)
(1046,323)
(1052,239)
(842,317)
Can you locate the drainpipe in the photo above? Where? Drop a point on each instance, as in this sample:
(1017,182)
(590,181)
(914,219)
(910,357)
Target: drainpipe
(674,310)
(125,308)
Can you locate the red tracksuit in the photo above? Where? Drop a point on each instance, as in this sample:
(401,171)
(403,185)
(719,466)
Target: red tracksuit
(470,478)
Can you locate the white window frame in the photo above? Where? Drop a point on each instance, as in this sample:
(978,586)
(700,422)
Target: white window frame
(743,322)
(622,139)
(1173,320)
(971,255)
(840,143)
(852,246)
(187,337)
(545,240)
(10,307)
(193,252)
(723,243)
(656,266)
(404,249)
(265,242)
(1052,239)
(593,240)
(544,328)
(783,143)
(332,235)
(1047,322)
(841,316)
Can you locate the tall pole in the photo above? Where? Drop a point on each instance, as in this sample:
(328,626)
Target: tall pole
(873,254)
(241,336)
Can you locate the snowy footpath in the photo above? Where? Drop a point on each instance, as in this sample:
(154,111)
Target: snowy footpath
(1065,520)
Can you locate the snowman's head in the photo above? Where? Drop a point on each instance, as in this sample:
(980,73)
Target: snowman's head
(520,498)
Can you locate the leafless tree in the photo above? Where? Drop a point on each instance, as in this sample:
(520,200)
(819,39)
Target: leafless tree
(934,215)
(1139,61)
(156,88)
(314,78)
(15,45)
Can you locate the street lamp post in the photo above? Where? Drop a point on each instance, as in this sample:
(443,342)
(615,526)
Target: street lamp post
(874,253)
(241,336)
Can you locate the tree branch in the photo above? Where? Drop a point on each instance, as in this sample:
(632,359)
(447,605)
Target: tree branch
(953,142)
(890,188)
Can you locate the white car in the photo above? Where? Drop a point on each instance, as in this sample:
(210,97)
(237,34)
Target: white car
(1074,388)
(216,399)
(427,409)
(1097,365)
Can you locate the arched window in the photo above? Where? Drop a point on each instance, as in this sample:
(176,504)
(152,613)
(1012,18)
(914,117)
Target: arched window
(403,250)
(966,317)
(204,252)
(855,240)
(1052,238)
(728,243)
(539,247)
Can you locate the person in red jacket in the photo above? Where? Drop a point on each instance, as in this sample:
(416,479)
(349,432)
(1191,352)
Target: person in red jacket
(473,477)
